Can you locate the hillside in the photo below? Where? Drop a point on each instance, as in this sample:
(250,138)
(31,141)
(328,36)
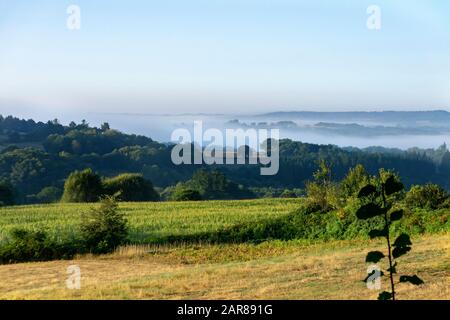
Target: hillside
(35,156)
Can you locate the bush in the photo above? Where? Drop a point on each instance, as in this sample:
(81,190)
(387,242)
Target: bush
(182,193)
(49,195)
(321,193)
(82,186)
(27,246)
(317,196)
(214,185)
(130,187)
(356,178)
(104,228)
(429,196)
(288,194)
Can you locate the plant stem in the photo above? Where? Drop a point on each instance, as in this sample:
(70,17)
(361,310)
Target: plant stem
(386,221)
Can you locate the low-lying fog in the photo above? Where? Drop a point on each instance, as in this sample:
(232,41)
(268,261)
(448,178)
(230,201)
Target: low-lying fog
(358,130)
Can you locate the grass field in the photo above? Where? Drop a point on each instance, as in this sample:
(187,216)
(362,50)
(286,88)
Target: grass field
(273,270)
(296,269)
(148,221)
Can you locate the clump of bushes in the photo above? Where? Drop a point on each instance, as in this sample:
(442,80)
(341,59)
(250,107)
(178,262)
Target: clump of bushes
(24,246)
(213,185)
(322,192)
(288,194)
(182,193)
(104,228)
(429,196)
(271,192)
(88,186)
(130,187)
(82,186)
(46,195)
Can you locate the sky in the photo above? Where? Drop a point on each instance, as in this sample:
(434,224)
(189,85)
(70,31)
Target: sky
(222,56)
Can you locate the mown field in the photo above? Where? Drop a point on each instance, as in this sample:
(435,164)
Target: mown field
(274,269)
(271,270)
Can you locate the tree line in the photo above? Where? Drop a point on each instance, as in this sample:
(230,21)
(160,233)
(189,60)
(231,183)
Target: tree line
(36,158)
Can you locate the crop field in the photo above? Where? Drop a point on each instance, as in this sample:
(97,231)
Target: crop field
(273,269)
(148,221)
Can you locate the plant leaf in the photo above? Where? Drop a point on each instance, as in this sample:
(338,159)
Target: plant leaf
(401,245)
(397,215)
(368,211)
(367,191)
(402,240)
(377,233)
(415,280)
(385,296)
(392,186)
(374,256)
(400,251)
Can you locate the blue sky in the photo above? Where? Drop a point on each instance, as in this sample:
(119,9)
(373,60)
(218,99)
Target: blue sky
(223,56)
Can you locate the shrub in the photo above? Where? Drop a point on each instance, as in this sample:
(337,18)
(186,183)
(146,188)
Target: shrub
(82,186)
(182,193)
(288,194)
(49,195)
(130,187)
(104,228)
(429,196)
(321,193)
(317,196)
(214,185)
(25,246)
(166,193)
(356,178)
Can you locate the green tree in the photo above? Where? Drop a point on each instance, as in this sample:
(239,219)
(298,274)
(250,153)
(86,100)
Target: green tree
(214,185)
(130,187)
(104,228)
(105,126)
(82,186)
(321,191)
(49,195)
(183,193)
(355,179)
(429,196)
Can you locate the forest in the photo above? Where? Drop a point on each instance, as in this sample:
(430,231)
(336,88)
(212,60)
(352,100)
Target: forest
(36,158)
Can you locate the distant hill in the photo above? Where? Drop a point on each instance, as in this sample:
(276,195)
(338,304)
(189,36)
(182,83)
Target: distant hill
(433,116)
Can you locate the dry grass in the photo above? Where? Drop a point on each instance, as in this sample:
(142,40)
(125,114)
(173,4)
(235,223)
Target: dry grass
(276,270)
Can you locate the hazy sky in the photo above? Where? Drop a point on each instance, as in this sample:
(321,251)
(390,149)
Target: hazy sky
(222,56)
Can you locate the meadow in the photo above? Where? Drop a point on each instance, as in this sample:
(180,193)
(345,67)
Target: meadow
(312,267)
(148,221)
(270,270)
